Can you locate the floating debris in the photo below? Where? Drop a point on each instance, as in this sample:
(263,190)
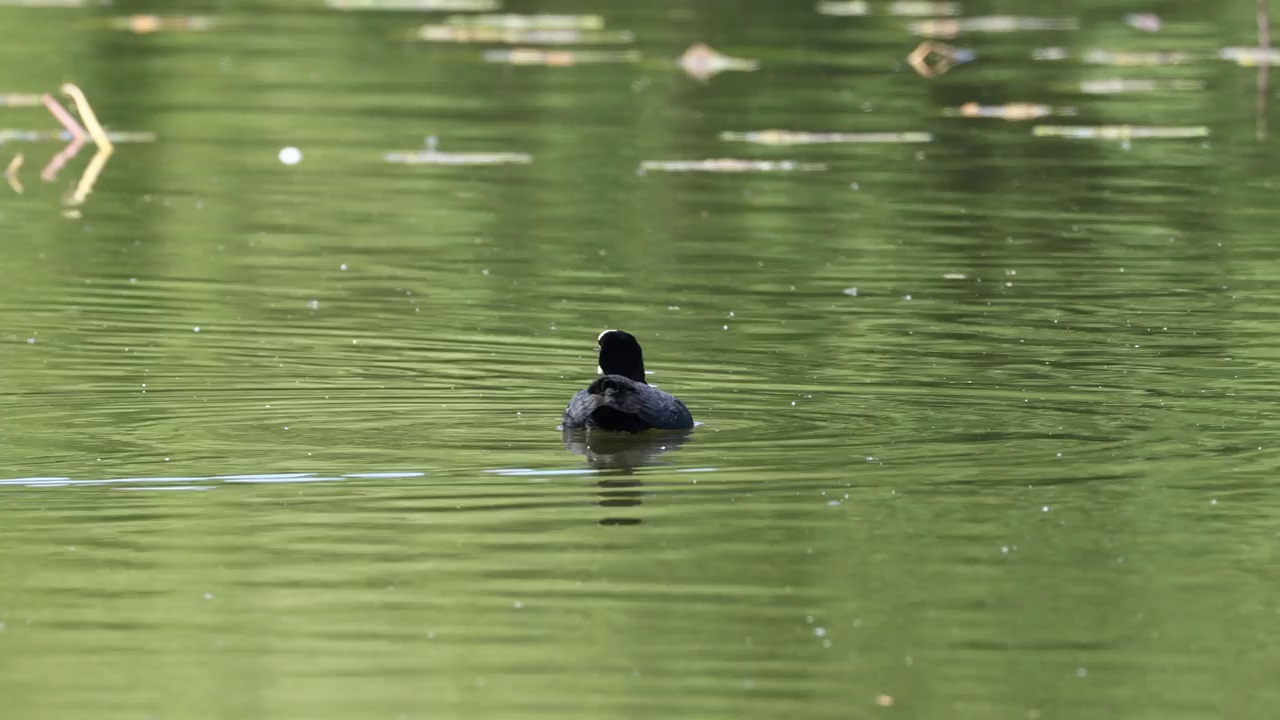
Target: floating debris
(1010,111)
(729,165)
(901,8)
(789,137)
(432,156)
(702,62)
(560,58)
(415,5)
(1096,56)
(847,8)
(1250,56)
(516,36)
(950,28)
(1146,22)
(34,136)
(20,100)
(145,24)
(931,59)
(76,136)
(1106,57)
(528,22)
(1119,132)
(1112,86)
(99,135)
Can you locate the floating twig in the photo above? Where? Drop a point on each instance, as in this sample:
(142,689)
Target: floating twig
(64,118)
(560,58)
(146,24)
(516,36)
(1010,111)
(899,8)
(729,165)
(1111,86)
(414,5)
(86,113)
(789,137)
(1119,132)
(20,100)
(1096,56)
(528,22)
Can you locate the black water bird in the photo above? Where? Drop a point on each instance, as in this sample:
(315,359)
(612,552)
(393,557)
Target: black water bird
(620,399)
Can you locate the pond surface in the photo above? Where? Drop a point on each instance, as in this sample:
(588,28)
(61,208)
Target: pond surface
(988,415)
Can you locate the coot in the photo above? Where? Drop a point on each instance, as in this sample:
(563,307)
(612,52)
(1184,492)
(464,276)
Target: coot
(620,399)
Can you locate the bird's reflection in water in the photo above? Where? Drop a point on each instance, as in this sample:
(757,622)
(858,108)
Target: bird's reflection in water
(622,453)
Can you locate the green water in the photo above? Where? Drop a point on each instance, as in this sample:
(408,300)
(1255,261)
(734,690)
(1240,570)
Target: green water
(281,441)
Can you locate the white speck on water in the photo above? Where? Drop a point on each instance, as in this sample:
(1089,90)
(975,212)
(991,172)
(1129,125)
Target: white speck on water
(673,307)
(484,271)
(31,341)
(851,292)
(907,296)
(820,631)
(343,267)
(166,459)
(1213,501)
(808,619)
(313,304)
(1044,508)
(431,634)
(1081,672)
(954,276)
(833,503)
(290,155)
(208,596)
(1004,549)
(195,329)
(854,186)
(731,313)
(726,327)
(133,281)
(517,605)
(826,643)
(1059,454)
